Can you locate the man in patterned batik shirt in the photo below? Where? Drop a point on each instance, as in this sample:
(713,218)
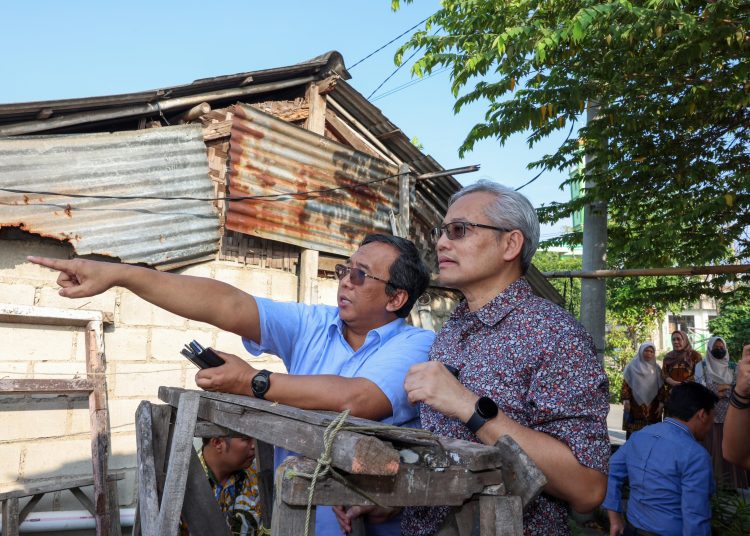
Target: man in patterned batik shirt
(229,464)
(526,368)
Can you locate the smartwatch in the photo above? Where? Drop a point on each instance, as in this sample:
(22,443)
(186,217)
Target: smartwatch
(484,410)
(260,384)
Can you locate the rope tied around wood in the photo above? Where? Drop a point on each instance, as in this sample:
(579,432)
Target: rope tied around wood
(324,467)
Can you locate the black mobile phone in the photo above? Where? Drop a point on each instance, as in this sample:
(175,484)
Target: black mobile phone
(201,357)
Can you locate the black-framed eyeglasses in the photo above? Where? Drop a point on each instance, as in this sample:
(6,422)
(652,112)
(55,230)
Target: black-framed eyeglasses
(356,275)
(456,230)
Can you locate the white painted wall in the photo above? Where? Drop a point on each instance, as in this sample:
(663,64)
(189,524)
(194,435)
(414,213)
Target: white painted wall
(46,437)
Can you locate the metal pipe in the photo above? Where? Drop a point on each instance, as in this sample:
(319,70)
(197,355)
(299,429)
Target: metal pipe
(448,172)
(641,272)
(68,520)
(145,109)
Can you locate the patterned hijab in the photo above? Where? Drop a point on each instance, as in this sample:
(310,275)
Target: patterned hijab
(717,369)
(644,377)
(683,355)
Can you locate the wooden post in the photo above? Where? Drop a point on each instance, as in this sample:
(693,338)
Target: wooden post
(148,498)
(10,517)
(307,290)
(104,510)
(264,462)
(404,200)
(179,461)
(500,516)
(288,519)
(200,510)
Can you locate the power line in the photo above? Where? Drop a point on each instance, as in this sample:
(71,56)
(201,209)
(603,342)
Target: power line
(388,43)
(524,185)
(408,84)
(397,69)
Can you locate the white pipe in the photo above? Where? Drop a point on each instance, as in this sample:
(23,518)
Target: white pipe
(68,520)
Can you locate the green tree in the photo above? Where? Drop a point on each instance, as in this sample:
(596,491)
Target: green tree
(733,323)
(570,289)
(671,140)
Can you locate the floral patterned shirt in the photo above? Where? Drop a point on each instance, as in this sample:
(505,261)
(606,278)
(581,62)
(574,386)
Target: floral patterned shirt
(540,366)
(238,498)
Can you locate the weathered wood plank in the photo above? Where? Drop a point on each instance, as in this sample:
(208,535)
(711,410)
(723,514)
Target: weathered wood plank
(179,461)
(200,509)
(288,519)
(521,476)
(148,498)
(439,452)
(264,463)
(58,484)
(316,120)
(161,416)
(49,316)
(83,499)
(500,516)
(353,453)
(209,429)
(79,386)
(412,486)
(10,517)
(29,507)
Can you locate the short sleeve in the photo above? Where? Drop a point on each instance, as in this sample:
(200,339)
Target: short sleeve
(281,327)
(569,399)
(387,369)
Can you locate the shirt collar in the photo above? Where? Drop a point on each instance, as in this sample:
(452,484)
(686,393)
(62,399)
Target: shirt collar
(501,305)
(680,425)
(382,333)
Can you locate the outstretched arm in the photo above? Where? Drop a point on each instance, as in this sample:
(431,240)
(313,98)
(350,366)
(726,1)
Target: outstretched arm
(736,445)
(196,298)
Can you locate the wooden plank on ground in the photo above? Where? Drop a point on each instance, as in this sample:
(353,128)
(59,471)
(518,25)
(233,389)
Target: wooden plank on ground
(412,486)
(353,453)
(179,461)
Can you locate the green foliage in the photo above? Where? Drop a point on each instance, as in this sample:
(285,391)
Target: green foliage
(670,136)
(730,513)
(570,289)
(733,322)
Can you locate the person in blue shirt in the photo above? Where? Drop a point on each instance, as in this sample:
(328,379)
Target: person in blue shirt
(351,356)
(668,470)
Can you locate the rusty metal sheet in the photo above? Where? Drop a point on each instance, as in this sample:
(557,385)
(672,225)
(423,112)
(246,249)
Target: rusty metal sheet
(270,157)
(114,194)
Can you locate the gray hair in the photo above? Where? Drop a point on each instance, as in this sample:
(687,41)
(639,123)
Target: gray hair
(510,210)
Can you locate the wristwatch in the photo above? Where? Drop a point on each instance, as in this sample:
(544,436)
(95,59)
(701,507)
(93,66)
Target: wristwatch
(484,410)
(261,383)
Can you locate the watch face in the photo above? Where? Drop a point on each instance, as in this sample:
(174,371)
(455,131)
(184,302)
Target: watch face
(486,407)
(260,383)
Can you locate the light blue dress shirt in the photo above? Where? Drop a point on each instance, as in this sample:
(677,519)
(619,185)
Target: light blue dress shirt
(670,478)
(309,339)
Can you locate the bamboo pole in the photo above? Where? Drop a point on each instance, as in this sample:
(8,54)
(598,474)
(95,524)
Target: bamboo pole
(643,272)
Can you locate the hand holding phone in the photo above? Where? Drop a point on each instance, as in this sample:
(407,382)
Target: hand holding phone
(201,357)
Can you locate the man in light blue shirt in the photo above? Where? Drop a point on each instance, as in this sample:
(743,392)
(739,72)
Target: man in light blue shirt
(669,472)
(354,356)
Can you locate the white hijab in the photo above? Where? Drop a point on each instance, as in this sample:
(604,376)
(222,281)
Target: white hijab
(717,369)
(644,377)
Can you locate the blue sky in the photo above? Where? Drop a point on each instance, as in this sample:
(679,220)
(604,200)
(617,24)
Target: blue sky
(58,50)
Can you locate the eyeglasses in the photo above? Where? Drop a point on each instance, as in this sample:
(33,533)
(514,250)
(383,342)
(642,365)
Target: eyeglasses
(456,230)
(356,276)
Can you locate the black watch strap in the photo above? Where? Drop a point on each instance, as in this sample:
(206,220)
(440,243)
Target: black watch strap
(261,383)
(484,410)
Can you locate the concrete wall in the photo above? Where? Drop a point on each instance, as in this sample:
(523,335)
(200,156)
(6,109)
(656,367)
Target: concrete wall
(45,437)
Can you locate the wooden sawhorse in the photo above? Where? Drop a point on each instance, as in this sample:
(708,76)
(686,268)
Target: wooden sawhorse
(392,466)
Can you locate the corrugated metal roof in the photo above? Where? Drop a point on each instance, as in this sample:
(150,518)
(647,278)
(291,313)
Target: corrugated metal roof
(164,162)
(269,156)
(318,67)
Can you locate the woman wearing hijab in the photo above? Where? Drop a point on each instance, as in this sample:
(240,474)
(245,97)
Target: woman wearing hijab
(679,364)
(717,372)
(643,392)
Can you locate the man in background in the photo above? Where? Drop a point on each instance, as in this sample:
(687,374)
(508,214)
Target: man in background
(669,471)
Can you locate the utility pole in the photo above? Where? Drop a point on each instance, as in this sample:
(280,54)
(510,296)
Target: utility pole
(594,291)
